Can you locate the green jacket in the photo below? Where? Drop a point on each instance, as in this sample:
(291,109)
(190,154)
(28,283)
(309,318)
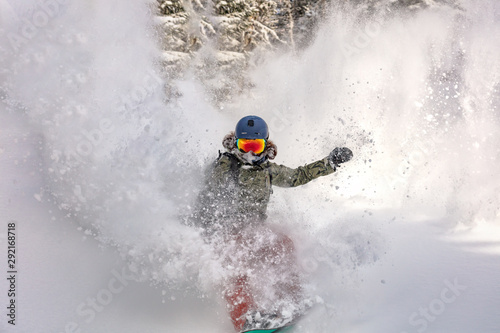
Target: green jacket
(237,193)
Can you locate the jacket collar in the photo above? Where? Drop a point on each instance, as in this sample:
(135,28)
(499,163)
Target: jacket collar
(250,159)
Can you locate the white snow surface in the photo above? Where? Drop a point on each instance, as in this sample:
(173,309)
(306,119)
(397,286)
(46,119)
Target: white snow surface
(96,169)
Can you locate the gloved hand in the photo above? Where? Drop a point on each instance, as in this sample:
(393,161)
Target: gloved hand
(339,155)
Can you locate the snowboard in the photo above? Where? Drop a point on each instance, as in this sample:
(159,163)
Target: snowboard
(288,327)
(285,328)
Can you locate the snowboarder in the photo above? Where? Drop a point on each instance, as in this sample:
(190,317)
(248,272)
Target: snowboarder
(232,207)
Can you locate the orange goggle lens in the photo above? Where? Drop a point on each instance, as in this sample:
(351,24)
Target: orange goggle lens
(255,145)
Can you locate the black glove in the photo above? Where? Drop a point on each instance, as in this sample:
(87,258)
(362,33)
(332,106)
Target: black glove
(339,155)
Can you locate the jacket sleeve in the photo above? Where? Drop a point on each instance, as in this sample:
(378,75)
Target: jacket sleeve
(284,176)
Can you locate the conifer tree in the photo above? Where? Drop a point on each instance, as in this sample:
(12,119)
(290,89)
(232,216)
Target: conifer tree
(221,38)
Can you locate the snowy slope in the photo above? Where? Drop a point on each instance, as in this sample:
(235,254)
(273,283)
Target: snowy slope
(96,169)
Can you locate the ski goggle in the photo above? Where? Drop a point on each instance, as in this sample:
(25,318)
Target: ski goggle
(255,145)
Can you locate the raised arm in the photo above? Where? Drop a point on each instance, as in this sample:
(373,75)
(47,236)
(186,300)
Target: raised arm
(284,176)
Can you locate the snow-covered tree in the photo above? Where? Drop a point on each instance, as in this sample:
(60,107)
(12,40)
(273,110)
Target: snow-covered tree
(246,25)
(221,38)
(229,32)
